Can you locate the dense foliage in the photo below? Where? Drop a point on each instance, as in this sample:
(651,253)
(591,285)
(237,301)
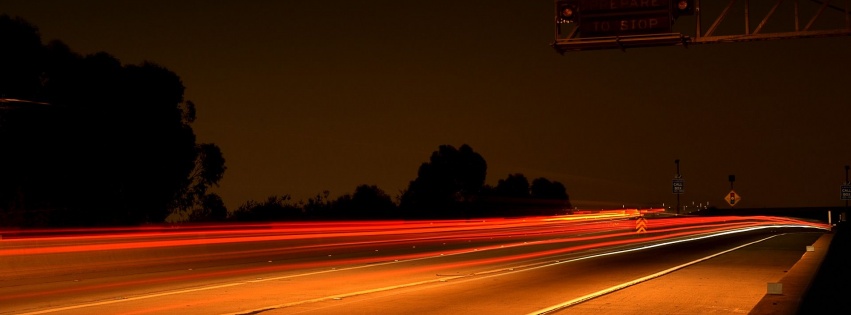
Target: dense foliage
(89,141)
(450,185)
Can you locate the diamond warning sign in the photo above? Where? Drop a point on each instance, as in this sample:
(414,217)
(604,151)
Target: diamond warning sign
(732,198)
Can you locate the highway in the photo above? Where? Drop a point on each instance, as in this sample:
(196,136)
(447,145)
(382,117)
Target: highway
(489,266)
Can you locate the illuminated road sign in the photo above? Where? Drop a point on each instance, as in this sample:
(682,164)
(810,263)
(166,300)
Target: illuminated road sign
(845,192)
(622,6)
(623,17)
(732,198)
(625,24)
(678,185)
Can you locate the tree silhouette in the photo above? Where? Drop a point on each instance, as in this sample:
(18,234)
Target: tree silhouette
(209,169)
(447,184)
(20,59)
(543,188)
(513,196)
(367,202)
(275,208)
(319,206)
(97,142)
(552,196)
(514,186)
(211,208)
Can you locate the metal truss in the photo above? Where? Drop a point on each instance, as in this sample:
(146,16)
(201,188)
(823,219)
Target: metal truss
(721,21)
(816,13)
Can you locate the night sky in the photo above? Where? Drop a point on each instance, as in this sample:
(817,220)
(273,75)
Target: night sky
(304,96)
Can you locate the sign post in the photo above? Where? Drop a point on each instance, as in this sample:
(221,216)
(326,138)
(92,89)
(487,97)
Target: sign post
(678,184)
(845,194)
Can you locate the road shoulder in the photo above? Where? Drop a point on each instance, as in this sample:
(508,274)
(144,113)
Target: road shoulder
(731,283)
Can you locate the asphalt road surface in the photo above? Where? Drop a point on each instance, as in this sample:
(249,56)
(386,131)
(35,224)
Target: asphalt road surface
(682,265)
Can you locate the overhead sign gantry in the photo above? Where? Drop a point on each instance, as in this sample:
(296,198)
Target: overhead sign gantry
(620,24)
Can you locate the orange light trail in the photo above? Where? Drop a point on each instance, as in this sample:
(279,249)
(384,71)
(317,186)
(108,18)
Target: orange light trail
(306,245)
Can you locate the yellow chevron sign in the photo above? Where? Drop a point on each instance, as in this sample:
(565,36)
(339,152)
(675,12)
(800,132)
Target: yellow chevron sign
(641,225)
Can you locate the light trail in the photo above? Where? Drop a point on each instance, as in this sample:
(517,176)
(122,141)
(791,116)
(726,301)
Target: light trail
(355,245)
(273,232)
(417,234)
(525,268)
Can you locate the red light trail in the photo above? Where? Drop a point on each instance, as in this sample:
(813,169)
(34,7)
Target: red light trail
(234,251)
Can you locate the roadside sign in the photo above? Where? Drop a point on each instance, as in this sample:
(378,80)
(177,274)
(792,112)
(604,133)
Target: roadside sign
(678,185)
(622,7)
(845,192)
(732,198)
(608,25)
(616,18)
(641,225)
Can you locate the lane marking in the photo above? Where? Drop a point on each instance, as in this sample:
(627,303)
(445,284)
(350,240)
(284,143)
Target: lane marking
(624,285)
(523,268)
(534,266)
(148,296)
(490,273)
(342,296)
(142,297)
(67,308)
(333,269)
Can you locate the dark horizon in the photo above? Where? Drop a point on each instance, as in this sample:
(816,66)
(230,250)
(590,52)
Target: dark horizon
(302,98)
